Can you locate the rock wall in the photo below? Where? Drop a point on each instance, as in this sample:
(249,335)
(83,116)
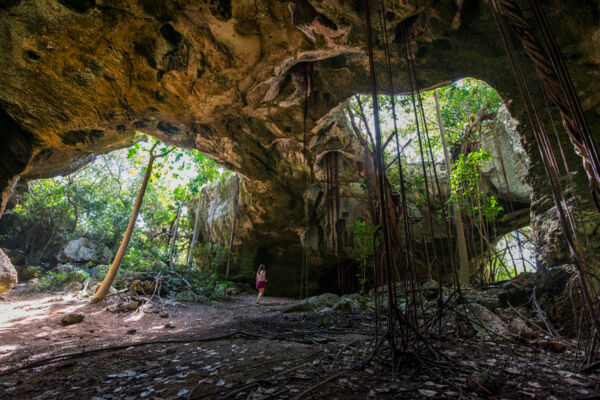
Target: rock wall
(506,173)
(8,274)
(230,79)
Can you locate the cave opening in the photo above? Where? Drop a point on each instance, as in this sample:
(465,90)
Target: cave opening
(481,149)
(513,254)
(65,231)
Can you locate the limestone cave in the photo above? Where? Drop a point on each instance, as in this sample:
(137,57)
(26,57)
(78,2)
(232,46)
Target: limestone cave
(410,187)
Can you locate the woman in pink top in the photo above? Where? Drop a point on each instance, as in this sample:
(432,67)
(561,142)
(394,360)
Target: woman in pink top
(261,281)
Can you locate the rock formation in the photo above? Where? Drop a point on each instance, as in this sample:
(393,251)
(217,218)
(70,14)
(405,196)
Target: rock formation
(8,274)
(84,250)
(230,78)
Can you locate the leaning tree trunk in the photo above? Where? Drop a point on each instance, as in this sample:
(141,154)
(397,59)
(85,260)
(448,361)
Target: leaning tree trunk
(463,256)
(112,272)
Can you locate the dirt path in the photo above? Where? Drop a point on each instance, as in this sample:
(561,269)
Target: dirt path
(237,350)
(30,326)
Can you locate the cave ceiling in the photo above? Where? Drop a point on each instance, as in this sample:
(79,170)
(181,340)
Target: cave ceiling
(227,77)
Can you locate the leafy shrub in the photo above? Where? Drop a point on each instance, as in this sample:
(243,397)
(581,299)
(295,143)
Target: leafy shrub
(53,281)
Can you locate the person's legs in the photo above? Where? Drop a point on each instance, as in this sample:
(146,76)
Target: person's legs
(260,293)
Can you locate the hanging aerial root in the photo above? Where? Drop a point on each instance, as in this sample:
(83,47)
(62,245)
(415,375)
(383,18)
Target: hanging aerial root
(590,312)
(557,84)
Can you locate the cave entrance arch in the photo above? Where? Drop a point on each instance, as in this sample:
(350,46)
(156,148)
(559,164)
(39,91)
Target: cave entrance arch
(478,126)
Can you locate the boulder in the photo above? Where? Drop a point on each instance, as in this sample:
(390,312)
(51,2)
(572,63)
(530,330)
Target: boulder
(346,304)
(26,273)
(431,284)
(558,292)
(84,250)
(518,327)
(514,295)
(123,306)
(488,299)
(485,321)
(517,292)
(550,282)
(8,274)
(73,286)
(16,256)
(159,265)
(321,302)
(70,319)
(326,302)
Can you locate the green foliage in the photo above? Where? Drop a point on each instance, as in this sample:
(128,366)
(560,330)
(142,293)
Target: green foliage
(362,250)
(460,103)
(96,202)
(466,180)
(53,281)
(192,284)
(212,256)
(468,110)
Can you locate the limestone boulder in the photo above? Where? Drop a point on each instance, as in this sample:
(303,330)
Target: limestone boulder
(326,302)
(8,274)
(316,303)
(508,156)
(558,293)
(70,319)
(16,256)
(484,321)
(347,303)
(514,294)
(85,250)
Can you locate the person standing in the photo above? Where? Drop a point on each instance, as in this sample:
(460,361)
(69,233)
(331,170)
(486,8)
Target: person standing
(261,281)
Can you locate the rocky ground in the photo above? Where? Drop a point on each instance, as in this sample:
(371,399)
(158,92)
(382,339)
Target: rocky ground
(235,349)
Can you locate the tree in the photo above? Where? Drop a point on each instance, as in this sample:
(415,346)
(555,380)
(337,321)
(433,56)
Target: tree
(234,206)
(112,272)
(463,111)
(463,255)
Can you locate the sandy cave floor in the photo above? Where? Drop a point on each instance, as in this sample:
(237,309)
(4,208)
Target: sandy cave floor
(235,349)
